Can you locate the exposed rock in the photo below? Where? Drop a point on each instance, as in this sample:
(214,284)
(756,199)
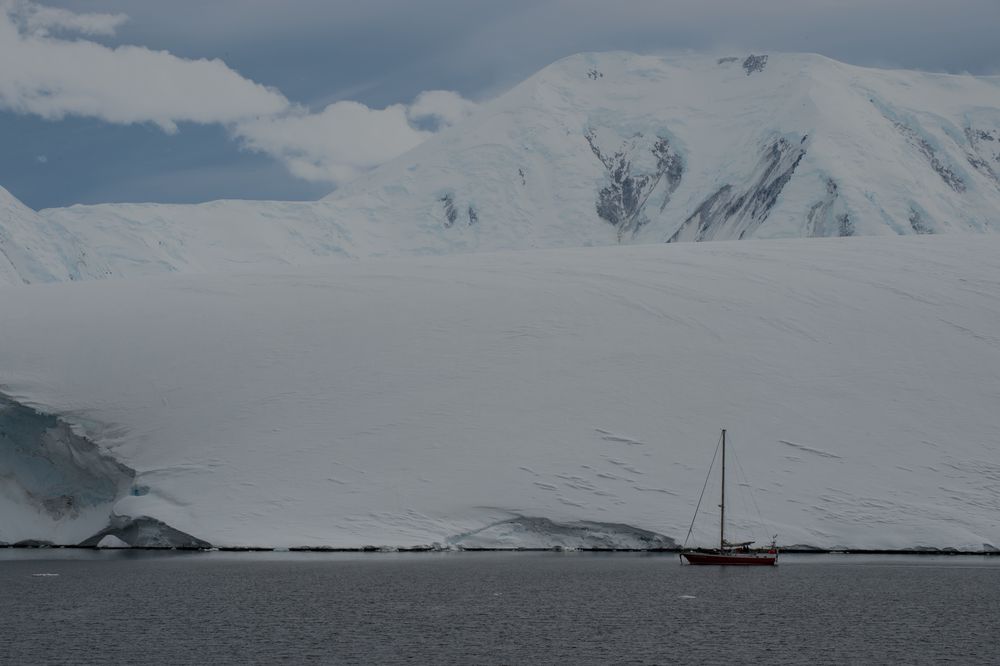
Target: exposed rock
(754,63)
(739,211)
(979,156)
(937,163)
(623,201)
(145,532)
(534,532)
(33,543)
(845,226)
(450,213)
(59,471)
(918,223)
(820,221)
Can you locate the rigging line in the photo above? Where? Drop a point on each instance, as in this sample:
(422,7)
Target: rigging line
(748,491)
(745,490)
(753,499)
(700,497)
(741,484)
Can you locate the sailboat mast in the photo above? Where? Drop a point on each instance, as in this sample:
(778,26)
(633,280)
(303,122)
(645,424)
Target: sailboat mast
(722,506)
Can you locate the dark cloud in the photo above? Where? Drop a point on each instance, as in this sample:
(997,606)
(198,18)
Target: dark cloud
(383,51)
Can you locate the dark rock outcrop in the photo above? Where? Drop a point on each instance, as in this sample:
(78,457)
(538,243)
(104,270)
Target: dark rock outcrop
(736,212)
(145,532)
(623,201)
(754,63)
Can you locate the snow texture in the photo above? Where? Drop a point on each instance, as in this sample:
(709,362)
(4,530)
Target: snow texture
(568,398)
(596,149)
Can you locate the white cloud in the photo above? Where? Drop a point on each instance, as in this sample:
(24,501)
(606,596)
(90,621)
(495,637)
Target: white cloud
(57,77)
(37,19)
(348,138)
(442,108)
(343,140)
(54,78)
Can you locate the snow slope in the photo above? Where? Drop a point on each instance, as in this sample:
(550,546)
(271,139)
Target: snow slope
(531,398)
(600,149)
(36,249)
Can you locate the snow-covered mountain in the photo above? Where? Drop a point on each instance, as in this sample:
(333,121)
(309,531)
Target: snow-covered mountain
(530,398)
(600,149)
(563,397)
(36,249)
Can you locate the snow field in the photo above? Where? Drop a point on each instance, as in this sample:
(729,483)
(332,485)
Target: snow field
(411,401)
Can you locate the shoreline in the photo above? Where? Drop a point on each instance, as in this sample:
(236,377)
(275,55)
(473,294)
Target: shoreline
(554,549)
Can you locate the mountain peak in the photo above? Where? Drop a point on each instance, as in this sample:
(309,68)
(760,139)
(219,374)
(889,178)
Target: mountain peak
(609,148)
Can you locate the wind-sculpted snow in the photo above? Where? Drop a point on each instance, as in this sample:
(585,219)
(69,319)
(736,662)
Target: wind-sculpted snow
(567,398)
(596,149)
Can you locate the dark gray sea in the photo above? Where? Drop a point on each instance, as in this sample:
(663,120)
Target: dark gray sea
(80,607)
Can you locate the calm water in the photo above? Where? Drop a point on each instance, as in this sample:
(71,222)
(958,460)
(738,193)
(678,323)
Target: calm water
(493,608)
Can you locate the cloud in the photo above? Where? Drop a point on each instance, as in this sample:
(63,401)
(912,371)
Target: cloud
(439,108)
(132,84)
(348,138)
(128,84)
(36,19)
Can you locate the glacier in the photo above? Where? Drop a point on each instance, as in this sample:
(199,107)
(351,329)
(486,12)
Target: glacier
(538,349)
(596,149)
(566,397)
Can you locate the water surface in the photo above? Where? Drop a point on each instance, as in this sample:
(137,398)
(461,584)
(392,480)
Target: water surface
(493,608)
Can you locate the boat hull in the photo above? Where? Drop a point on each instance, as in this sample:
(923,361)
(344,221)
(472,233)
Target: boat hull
(752,560)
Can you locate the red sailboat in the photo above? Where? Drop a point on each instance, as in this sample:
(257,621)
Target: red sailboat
(738,554)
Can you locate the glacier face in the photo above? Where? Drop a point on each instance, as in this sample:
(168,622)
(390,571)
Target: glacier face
(566,397)
(596,149)
(55,485)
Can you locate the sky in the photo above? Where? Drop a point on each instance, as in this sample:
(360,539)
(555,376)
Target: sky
(187,101)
